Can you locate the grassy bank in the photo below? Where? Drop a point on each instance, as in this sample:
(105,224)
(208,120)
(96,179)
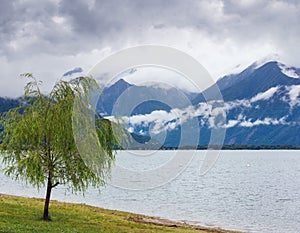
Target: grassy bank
(18,214)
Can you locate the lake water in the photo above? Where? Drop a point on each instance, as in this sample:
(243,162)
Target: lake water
(251,191)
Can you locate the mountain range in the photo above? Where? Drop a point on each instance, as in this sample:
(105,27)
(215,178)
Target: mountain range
(260,106)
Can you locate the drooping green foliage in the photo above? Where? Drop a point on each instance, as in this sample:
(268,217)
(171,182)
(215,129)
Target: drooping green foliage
(38,144)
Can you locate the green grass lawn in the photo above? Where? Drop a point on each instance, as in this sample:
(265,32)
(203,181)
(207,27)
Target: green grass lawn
(19,214)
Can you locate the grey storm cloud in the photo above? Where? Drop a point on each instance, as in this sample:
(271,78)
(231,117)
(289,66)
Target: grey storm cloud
(72,26)
(65,26)
(56,35)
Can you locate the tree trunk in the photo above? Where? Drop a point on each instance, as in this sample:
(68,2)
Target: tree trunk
(47,200)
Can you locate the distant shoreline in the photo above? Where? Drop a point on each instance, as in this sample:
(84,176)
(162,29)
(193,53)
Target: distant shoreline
(221,147)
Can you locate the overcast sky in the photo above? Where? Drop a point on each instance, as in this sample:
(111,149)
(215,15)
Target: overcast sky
(51,37)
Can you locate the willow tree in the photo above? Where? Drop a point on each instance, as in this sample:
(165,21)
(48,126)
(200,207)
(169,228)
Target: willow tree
(38,144)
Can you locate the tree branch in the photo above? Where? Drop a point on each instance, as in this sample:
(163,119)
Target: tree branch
(53,186)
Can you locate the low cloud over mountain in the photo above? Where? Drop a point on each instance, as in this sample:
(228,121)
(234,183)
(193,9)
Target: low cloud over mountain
(261,107)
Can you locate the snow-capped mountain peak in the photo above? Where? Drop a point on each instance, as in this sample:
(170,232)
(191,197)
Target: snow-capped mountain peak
(291,72)
(261,62)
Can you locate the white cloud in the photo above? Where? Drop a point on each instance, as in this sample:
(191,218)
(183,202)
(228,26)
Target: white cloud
(270,57)
(293,95)
(288,71)
(237,103)
(161,120)
(246,124)
(130,129)
(231,123)
(58,19)
(212,113)
(160,77)
(264,95)
(266,121)
(141,132)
